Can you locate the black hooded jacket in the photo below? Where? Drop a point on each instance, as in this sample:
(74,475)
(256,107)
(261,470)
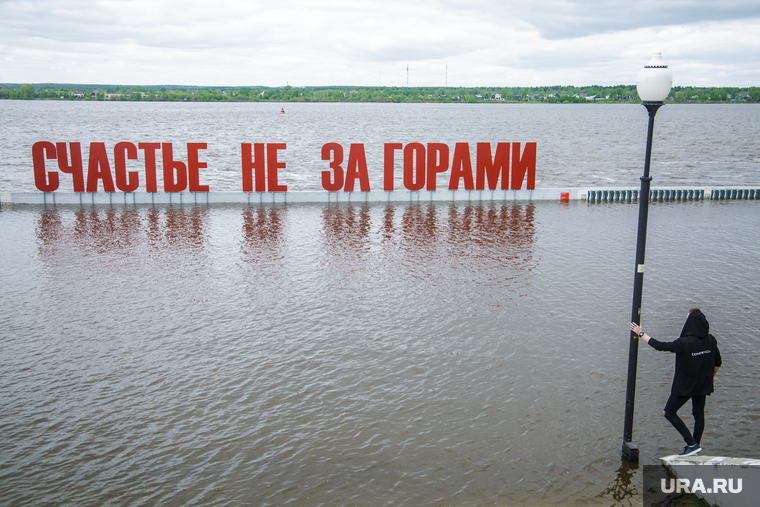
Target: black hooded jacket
(697,355)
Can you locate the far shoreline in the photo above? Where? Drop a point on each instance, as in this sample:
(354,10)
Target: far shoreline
(619,94)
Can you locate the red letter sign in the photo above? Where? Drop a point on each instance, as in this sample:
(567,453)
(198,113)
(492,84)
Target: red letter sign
(410,171)
(40,151)
(357,168)
(75,169)
(461,167)
(273,166)
(336,183)
(150,165)
(521,165)
(98,168)
(126,182)
(193,166)
(389,153)
(437,162)
(492,168)
(250,165)
(171,168)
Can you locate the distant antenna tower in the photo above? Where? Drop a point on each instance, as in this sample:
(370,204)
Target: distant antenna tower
(447,75)
(407,75)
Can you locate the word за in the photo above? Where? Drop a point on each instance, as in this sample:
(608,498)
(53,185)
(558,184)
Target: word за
(506,168)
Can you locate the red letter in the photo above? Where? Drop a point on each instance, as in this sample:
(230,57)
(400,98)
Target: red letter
(486,167)
(172,167)
(150,165)
(337,184)
(40,151)
(461,167)
(433,165)
(389,152)
(249,165)
(409,169)
(75,169)
(98,168)
(520,165)
(122,152)
(193,166)
(357,166)
(273,166)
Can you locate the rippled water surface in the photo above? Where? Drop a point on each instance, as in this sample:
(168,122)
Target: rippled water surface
(577,144)
(316,355)
(451,354)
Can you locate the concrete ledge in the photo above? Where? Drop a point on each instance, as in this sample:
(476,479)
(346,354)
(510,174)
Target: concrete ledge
(204,198)
(708,460)
(606,194)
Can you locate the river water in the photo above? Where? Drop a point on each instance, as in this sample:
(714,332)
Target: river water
(577,145)
(443,354)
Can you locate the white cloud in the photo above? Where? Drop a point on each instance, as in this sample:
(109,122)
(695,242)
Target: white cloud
(341,42)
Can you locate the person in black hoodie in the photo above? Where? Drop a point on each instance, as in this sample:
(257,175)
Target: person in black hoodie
(697,363)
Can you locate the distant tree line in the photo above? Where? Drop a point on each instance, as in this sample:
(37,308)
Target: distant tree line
(545,94)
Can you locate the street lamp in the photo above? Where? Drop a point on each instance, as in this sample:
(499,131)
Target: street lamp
(653,84)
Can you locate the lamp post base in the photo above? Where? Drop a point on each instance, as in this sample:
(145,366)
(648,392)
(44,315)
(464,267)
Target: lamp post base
(631,451)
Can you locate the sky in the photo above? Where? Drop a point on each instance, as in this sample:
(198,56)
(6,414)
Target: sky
(372,43)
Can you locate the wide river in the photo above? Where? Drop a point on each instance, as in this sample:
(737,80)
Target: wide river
(420,355)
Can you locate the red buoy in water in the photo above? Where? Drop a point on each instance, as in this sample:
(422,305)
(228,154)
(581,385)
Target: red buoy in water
(282,110)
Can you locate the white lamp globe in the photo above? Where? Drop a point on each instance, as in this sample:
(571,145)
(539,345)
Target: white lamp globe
(655,80)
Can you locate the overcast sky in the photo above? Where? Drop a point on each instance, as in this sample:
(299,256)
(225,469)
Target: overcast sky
(367,42)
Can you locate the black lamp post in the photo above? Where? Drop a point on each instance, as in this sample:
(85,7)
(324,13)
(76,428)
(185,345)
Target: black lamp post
(653,84)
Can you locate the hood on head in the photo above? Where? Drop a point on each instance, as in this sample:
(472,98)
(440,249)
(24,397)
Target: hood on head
(696,325)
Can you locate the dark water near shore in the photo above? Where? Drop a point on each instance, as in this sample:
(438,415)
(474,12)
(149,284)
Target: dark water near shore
(314,355)
(367,355)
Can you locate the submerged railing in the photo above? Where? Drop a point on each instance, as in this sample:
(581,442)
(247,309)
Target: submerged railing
(673,194)
(590,195)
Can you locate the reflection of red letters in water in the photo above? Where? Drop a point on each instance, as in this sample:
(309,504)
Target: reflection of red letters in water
(346,233)
(95,231)
(496,233)
(507,230)
(92,243)
(263,236)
